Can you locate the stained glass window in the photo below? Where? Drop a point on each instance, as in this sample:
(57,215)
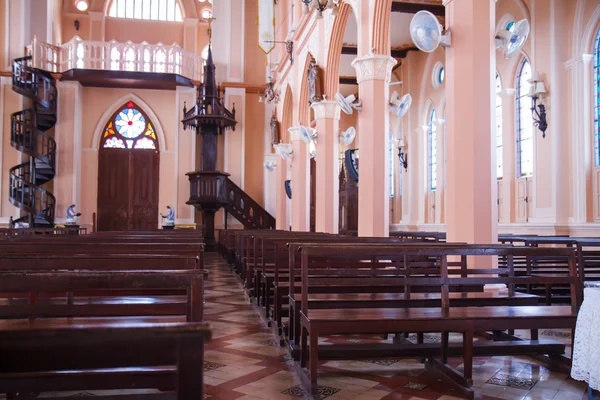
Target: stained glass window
(524,121)
(129,128)
(391,163)
(432,150)
(441,75)
(161,10)
(498,128)
(597,100)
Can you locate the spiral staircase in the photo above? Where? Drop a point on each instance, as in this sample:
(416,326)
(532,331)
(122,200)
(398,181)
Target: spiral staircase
(28,135)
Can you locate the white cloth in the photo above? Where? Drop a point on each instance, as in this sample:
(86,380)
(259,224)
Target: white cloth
(586,352)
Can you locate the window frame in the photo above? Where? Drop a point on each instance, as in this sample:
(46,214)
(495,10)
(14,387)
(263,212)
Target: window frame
(432,150)
(522,95)
(111,131)
(149,10)
(596,96)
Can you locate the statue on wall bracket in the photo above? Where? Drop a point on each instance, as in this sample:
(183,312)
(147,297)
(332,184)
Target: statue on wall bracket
(274,130)
(169,222)
(72,215)
(314,82)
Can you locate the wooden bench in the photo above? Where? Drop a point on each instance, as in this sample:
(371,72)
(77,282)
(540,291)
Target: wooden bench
(445,318)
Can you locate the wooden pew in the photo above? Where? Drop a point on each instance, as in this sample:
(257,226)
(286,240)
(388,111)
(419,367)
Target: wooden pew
(147,301)
(447,317)
(57,354)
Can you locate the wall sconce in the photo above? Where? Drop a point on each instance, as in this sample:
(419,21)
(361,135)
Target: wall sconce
(537,92)
(402,155)
(320,6)
(81,5)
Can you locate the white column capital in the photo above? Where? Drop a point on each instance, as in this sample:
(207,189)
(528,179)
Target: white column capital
(508,92)
(295,133)
(373,67)
(326,109)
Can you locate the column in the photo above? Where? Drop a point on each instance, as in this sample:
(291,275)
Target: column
(327,115)
(190,35)
(270,192)
(300,183)
(508,156)
(583,201)
(69,165)
(280,196)
(470,61)
(97,25)
(373,73)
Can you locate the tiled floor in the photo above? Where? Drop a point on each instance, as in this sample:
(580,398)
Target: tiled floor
(245,362)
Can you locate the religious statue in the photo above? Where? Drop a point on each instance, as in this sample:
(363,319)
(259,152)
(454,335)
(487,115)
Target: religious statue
(314,82)
(11,223)
(170,217)
(72,215)
(274,130)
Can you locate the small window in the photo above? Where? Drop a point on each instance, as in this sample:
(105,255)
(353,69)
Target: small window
(438,75)
(499,166)
(510,25)
(206,13)
(160,10)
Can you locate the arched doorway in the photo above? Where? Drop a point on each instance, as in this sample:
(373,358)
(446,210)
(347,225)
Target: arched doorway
(128,172)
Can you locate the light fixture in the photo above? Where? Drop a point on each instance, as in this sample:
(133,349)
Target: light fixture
(320,6)
(81,5)
(402,155)
(537,91)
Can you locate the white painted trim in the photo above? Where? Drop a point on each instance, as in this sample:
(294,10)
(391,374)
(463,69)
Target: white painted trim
(110,110)
(240,126)
(77,144)
(7,34)
(176,130)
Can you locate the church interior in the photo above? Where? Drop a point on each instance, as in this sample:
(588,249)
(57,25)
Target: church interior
(284,199)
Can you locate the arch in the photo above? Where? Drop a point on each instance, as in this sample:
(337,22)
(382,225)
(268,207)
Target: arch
(185,11)
(524,121)
(142,105)
(381,27)
(303,105)
(589,34)
(332,79)
(129,128)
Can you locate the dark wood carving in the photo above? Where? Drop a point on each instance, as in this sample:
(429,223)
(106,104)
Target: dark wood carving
(348,217)
(315,91)
(128,182)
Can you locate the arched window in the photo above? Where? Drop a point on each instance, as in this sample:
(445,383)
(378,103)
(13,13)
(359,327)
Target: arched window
(498,128)
(524,121)
(597,100)
(129,128)
(160,10)
(432,150)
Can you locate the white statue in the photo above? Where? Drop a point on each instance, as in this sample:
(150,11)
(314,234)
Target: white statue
(170,217)
(72,215)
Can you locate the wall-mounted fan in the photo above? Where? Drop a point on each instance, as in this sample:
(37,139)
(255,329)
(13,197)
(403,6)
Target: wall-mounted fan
(512,40)
(270,165)
(348,104)
(308,135)
(288,188)
(347,137)
(427,33)
(351,164)
(400,106)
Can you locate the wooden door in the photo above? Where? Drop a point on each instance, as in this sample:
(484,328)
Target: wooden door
(128,182)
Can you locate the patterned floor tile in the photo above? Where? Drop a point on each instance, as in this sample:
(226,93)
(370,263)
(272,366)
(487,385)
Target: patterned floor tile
(511,381)
(323,392)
